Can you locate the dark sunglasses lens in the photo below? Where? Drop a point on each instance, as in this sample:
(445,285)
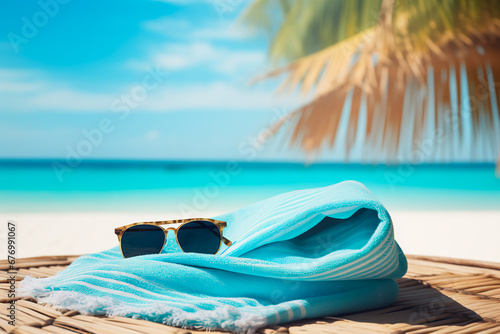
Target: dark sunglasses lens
(142,239)
(199,237)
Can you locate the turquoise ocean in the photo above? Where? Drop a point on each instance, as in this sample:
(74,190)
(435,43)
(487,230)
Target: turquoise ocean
(190,188)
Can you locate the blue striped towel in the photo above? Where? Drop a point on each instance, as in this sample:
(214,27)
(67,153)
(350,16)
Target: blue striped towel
(302,254)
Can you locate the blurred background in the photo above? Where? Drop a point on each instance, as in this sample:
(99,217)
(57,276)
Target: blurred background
(121,111)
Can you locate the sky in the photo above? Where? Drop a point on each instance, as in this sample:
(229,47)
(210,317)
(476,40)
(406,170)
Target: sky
(137,79)
(130,79)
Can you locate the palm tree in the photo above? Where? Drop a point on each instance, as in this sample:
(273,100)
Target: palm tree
(390,79)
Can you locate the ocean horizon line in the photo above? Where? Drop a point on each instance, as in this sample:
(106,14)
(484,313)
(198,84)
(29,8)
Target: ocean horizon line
(44,162)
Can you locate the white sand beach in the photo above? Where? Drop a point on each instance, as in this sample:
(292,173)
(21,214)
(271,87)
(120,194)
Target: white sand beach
(461,234)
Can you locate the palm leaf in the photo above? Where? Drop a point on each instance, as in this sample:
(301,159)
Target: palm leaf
(411,75)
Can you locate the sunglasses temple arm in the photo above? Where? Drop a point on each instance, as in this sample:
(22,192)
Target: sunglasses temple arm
(226,241)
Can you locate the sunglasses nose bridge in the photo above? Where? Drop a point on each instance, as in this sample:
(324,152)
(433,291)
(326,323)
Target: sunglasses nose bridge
(168,230)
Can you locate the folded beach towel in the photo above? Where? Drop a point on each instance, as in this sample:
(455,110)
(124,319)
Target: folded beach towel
(302,254)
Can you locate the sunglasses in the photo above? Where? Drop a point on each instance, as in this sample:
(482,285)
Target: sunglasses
(193,235)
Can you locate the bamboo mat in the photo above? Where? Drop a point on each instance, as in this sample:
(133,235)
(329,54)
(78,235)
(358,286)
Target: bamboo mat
(437,295)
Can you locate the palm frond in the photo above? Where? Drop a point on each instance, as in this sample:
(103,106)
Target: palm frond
(414,75)
(297,28)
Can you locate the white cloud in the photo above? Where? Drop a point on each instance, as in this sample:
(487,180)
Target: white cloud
(181,56)
(178,57)
(167,97)
(203,48)
(237,61)
(174,61)
(221,32)
(28,90)
(20,81)
(67,99)
(14,74)
(19,87)
(54,99)
(216,96)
